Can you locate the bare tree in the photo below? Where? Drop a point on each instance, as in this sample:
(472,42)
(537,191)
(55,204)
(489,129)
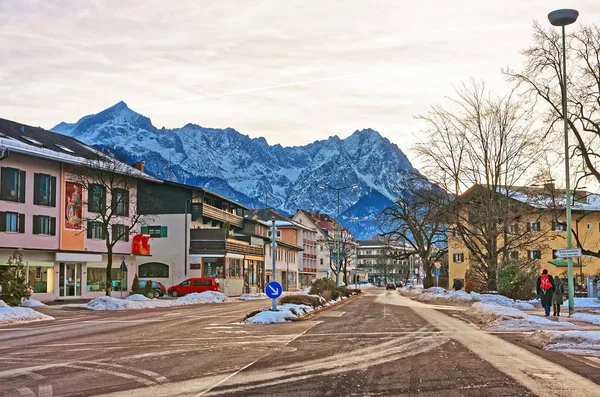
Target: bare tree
(347,247)
(112,213)
(479,150)
(416,221)
(542,79)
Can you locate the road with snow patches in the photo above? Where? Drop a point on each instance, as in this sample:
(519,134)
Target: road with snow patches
(380,344)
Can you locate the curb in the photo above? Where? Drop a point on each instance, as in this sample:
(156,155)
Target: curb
(324,308)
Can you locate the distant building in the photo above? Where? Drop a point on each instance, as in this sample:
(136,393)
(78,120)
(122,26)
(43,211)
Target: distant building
(376,259)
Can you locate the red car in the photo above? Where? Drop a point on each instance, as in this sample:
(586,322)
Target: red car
(196,284)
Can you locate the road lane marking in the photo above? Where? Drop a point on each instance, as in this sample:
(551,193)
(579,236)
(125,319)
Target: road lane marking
(26,392)
(45,391)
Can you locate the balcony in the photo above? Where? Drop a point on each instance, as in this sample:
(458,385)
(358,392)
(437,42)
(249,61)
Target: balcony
(306,255)
(213,241)
(208,211)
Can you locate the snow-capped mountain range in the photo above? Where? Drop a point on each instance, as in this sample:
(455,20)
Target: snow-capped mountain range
(254,173)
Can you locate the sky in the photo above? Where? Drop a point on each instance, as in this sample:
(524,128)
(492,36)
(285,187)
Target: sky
(290,71)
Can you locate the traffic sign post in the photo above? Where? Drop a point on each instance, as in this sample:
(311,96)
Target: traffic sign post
(123,269)
(437,272)
(274,291)
(568,253)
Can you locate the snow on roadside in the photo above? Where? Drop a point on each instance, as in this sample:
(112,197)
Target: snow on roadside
(361,286)
(575,342)
(441,295)
(285,312)
(584,302)
(496,317)
(586,318)
(501,300)
(141,302)
(31,303)
(253,296)
(13,315)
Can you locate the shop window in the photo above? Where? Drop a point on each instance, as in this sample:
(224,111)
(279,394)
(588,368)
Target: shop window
(43,224)
(41,279)
(96,279)
(213,267)
(12,184)
(235,265)
(44,190)
(153,270)
(96,198)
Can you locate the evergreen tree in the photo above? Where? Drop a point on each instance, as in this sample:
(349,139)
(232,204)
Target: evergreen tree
(14,282)
(135,285)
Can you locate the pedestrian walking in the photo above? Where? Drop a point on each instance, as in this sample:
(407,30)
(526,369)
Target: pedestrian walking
(458,285)
(545,290)
(558,298)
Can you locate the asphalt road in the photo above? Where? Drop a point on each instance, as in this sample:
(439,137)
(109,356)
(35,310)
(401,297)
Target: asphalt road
(379,344)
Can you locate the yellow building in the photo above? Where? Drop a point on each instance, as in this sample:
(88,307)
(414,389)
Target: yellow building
(548,222)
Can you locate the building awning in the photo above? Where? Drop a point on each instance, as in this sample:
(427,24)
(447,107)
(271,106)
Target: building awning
(562,263)
(76,257)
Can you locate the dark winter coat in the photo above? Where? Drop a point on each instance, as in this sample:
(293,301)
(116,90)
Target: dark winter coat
(545,296)
(558,297)
(458,285)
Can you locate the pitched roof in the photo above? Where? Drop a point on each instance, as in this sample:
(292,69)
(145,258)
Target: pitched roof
(37,142)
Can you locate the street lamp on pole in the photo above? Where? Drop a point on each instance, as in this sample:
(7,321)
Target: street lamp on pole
(563,18)
(337,237)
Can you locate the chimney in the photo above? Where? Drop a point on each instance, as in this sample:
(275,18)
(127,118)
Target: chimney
(139,165)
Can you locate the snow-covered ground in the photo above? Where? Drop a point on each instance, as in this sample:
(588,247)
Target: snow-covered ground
(575,342)
(437,295)
(503,318)
(253,296)
(586,318)
(361,286)
(583,302)
(141,302)
(284,313)
(13,315)
(32,303)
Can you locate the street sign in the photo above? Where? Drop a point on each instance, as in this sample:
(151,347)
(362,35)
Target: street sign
(273,290)
(437,272)
(123,267)
(437,264)
(568,253)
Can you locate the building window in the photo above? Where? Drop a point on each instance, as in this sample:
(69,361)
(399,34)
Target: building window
(535,254)
(44,190)
(558,226)
(235,266)
(12,222)
(94,230)
(513,228)
(458,257)
(154,269)
(120,232)
(533,226)
(44,225)
(120,202)
(213,267)
(589,226)
(514,255)
(96,198)
(12,184)
(155,231)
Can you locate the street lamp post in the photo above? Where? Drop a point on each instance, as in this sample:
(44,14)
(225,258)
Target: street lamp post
(337,237)
(563,18)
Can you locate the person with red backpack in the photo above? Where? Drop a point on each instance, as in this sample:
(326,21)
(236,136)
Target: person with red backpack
(545,289)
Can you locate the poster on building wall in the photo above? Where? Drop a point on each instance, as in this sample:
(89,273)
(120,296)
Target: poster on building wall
(73,207)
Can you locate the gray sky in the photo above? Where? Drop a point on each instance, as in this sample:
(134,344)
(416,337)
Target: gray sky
(291,71)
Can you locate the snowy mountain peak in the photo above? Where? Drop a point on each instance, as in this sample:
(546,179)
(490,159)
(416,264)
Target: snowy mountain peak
(251,171)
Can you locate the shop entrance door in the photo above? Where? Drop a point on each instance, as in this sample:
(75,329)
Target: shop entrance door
(69,280)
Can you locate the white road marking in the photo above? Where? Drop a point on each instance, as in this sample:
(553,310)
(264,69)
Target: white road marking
(45,391)
(25,391)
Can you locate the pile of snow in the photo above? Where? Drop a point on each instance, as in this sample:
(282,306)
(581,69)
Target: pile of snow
(586,318)
(13,315)
(284,313)
(441,295)
(411,290)
(31,303)
(496,317)
(583,302)
(253,296)
(501,300)
(575,342)
(203,297)
(141,302)
(137,297)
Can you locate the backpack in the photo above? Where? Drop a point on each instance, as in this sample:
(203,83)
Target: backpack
(545,283)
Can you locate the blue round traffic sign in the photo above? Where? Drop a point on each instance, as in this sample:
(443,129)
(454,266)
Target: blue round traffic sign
(437,272)
(273,290)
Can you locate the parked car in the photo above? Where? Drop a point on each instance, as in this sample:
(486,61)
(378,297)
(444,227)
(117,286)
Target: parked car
(196,284)
(399,284)
(157,288)
(390,286)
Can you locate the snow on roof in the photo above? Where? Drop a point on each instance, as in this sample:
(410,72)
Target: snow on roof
(539,198)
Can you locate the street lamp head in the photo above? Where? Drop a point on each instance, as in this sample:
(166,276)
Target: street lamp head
(563,17)
(354,186)
(322,187)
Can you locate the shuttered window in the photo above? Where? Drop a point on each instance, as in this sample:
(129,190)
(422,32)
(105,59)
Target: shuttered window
(12,184)
(43,224)
(120,202)
(44,190)
(96,198)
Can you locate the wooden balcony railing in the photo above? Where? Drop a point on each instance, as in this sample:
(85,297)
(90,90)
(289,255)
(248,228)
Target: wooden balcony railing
(214,213)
